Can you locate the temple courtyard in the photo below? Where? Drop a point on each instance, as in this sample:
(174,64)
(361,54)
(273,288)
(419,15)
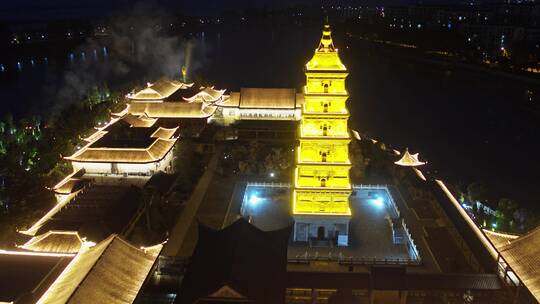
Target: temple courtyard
(376,234)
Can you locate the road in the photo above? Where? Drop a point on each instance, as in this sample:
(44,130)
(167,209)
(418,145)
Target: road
(186,217)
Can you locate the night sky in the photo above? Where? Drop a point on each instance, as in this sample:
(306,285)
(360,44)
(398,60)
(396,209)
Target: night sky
(52,9)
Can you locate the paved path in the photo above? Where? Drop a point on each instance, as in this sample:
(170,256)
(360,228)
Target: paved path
(416,228)
(235,204)
(178,233)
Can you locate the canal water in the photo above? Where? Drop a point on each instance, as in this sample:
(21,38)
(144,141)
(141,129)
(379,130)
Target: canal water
(469,125)
(41,83)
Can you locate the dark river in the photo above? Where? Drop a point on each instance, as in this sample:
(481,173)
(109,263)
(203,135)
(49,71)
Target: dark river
(470,126)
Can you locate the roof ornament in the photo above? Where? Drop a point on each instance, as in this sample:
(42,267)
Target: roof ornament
(409,160)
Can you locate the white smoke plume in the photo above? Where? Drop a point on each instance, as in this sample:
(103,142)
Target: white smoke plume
(140,49)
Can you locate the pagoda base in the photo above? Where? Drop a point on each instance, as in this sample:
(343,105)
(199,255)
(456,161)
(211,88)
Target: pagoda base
(334,228)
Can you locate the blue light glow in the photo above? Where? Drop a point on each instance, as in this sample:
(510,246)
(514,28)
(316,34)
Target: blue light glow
(254,200)
(378,202)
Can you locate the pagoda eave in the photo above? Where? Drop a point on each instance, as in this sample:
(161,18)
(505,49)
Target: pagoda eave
(326,214)
(333,138)
(333,70)
(325,163)
(326,114)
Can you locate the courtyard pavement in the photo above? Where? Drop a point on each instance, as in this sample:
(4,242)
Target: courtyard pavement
(370,233)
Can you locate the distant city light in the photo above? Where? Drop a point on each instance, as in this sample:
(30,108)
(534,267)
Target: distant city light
(272,174)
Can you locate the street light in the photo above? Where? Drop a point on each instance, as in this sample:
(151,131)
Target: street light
(254,200)
(378,202)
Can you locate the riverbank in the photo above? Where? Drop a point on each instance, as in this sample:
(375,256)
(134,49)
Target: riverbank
(468,123)
(410,52)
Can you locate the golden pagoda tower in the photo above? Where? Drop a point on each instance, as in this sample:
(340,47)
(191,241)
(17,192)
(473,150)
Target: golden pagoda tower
(322,187)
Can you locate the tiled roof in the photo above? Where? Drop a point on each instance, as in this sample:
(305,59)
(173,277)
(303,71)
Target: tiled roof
(112,271)
(55,241)
(523,256)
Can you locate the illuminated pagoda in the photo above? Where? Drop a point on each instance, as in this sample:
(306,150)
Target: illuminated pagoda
(322,187)
(409,160)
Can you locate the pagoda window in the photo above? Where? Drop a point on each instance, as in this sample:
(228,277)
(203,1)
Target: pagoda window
(325,87)
(323,182)
(323,157)
(325,108)
(325,129)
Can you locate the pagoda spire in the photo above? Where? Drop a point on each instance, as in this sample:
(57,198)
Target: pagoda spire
(326,44)
(326,55)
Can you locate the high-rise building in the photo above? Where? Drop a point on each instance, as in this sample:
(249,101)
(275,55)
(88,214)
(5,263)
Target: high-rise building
(322,187)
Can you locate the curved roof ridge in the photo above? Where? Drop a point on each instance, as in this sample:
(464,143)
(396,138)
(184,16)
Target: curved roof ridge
(163,144)
(58,245)
(409,160)
(165,133)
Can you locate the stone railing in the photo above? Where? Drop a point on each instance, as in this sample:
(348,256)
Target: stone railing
(302,259)
(269,185)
